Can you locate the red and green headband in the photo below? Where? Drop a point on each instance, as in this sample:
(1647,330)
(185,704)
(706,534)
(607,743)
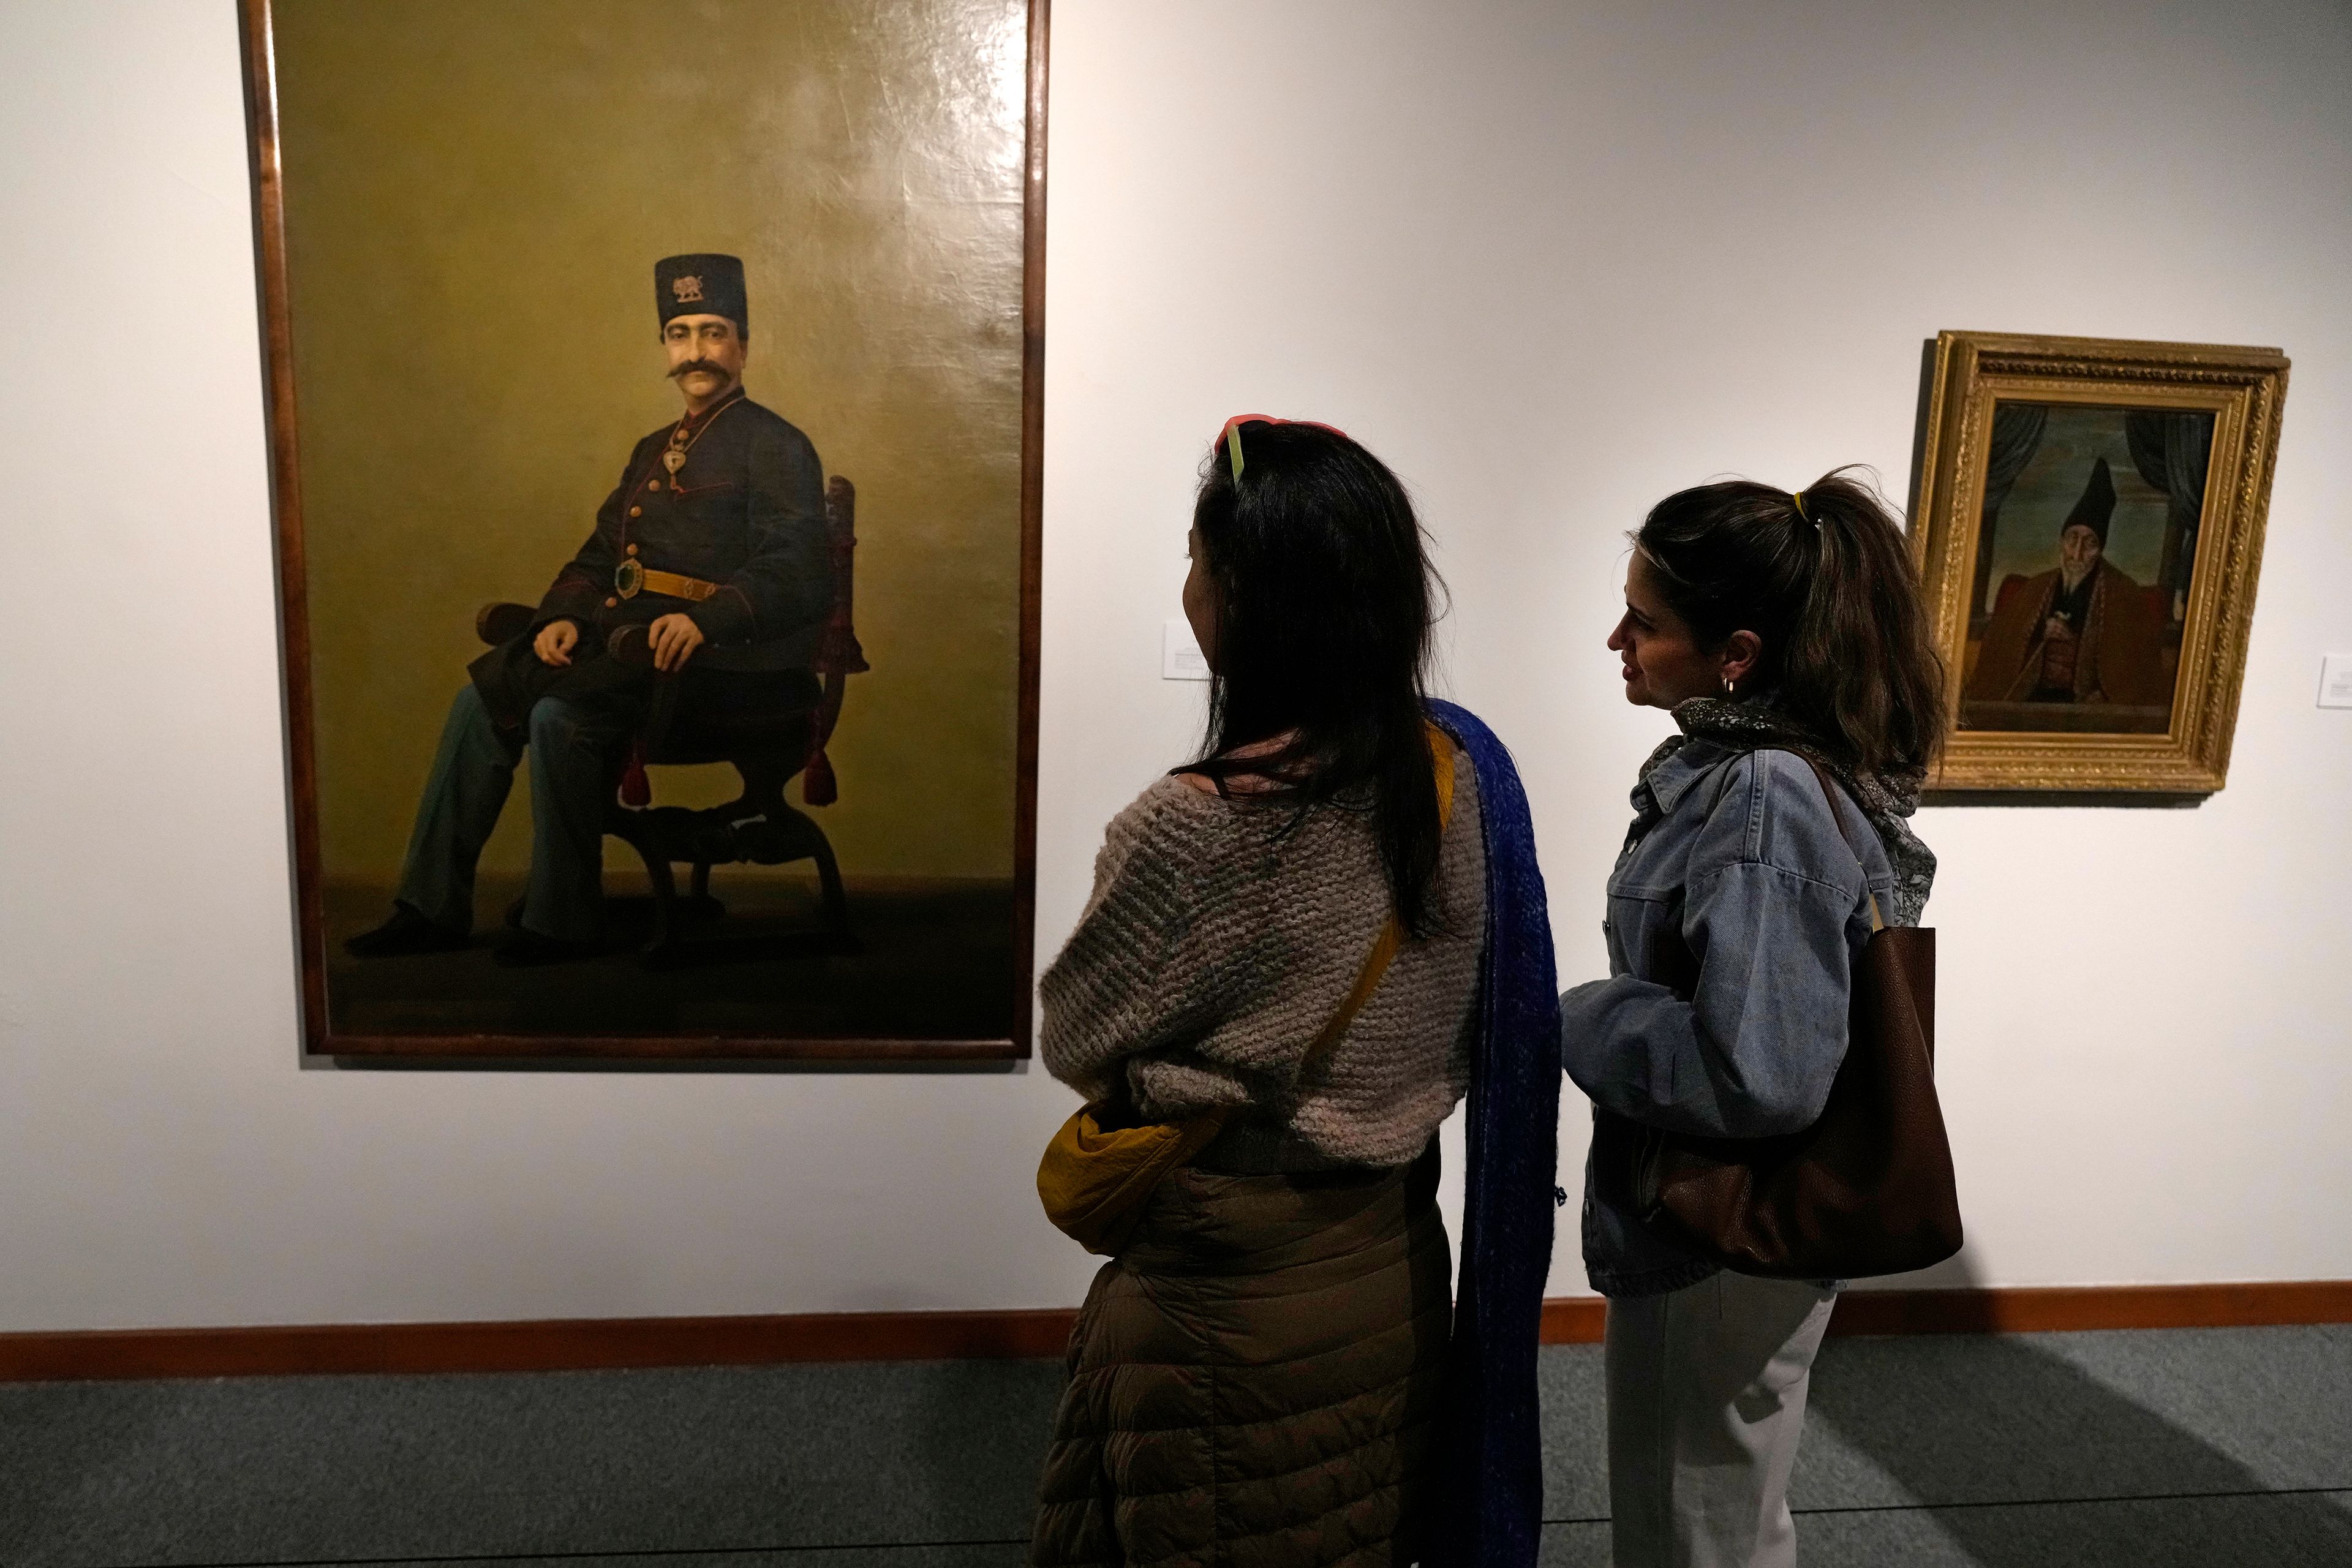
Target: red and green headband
(1230,437)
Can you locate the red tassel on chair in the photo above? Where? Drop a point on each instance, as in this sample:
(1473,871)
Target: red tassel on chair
(637,790)
(818,786)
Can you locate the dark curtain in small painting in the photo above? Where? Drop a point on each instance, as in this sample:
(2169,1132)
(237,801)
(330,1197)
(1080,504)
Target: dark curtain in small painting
(2171,452)
(2016,436)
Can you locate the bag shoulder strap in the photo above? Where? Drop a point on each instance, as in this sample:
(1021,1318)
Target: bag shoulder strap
(1829,793)
(1392,937)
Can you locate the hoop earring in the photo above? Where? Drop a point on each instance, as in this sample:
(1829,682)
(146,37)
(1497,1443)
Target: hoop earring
(1728,690)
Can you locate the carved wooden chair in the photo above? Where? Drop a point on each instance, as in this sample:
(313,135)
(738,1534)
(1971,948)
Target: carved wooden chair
(781,709)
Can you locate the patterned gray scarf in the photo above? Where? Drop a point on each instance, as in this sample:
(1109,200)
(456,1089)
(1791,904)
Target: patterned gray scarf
(1887,802)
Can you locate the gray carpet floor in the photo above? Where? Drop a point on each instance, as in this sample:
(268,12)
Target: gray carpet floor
(2211,1448)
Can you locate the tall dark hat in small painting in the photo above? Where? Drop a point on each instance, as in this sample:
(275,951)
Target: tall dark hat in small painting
(2097,505)
(702,284)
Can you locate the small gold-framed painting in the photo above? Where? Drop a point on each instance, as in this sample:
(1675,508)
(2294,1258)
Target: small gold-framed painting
(2088,532)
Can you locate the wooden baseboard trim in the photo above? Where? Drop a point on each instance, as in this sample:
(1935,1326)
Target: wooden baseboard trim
(538,1345)
(1573,1320)
(590,1343)
(2043,1309)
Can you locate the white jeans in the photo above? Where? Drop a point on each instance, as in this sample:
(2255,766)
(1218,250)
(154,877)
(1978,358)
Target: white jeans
(1706,1400)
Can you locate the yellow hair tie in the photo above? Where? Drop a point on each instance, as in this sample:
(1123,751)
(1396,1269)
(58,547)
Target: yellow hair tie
(1799,497)
(1234,448)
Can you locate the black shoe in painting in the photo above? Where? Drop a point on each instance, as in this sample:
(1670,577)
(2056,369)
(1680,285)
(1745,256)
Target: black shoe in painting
(529,949)
(406,932)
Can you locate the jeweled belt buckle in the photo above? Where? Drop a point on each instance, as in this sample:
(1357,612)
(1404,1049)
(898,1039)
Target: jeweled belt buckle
(629,578)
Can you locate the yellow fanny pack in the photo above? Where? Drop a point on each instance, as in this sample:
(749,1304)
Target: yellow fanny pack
(1095,1177)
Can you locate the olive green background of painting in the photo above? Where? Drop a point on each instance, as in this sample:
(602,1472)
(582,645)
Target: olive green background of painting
(475,195)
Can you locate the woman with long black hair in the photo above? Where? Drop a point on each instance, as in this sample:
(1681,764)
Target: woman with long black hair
(1782,630)
(1281,970)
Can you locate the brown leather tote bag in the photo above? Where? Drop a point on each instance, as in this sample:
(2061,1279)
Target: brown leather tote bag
(1868,1188)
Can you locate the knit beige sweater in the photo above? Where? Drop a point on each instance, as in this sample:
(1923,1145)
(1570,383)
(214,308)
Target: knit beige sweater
(1222,935)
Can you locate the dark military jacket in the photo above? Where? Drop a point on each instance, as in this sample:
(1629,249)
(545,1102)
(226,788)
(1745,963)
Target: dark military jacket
(746,510)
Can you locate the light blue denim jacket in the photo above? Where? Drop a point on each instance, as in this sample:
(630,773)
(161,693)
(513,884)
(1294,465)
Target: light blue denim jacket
(1739,847)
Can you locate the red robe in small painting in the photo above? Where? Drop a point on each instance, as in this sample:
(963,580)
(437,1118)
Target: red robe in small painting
(2116,654)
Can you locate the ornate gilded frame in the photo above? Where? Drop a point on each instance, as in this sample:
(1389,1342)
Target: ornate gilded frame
(2244,388)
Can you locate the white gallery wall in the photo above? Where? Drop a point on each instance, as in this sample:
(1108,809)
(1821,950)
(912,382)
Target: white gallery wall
(1553,260)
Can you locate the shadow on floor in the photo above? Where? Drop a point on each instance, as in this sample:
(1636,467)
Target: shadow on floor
(2071,1448)
(978,1434)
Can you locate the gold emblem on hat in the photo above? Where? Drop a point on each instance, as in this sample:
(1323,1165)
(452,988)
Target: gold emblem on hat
(686,290)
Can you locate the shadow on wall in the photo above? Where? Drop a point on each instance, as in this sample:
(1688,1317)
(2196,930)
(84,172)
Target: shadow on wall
(1988,1431)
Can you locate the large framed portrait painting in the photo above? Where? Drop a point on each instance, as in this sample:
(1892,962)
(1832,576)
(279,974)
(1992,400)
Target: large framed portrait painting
(2093,524)
(655,409)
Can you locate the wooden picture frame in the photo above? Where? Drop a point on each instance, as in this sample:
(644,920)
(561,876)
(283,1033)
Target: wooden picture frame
(1014,82)
(2115,670)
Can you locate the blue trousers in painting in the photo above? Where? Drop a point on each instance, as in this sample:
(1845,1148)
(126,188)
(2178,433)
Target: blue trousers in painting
(573,746)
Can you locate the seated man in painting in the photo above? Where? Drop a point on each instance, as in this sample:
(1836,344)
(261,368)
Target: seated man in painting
(716,534)
(2082,633)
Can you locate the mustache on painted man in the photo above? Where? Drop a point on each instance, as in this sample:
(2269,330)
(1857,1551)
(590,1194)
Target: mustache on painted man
(690,366)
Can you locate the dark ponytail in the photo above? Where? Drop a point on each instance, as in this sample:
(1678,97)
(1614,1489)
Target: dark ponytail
(1323,634)
(1823,578)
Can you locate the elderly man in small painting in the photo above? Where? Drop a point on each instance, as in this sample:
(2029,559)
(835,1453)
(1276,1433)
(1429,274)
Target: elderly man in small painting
(2082,633)
(716,534)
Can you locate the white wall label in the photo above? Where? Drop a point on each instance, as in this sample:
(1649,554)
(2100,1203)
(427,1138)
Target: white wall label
(2336,680)
(1180,656)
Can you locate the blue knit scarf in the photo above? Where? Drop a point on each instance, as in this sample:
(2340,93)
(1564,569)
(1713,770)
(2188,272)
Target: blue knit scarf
(1490,1507)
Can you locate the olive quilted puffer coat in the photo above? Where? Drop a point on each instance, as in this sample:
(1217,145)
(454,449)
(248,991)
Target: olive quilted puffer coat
(1254,1382)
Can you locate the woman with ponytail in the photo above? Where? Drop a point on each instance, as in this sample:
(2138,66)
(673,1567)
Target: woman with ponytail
(1784,632)
(1303,948)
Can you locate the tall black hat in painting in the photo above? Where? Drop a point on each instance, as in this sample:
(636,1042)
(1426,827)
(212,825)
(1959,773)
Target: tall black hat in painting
(702,284)
(2097,505)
